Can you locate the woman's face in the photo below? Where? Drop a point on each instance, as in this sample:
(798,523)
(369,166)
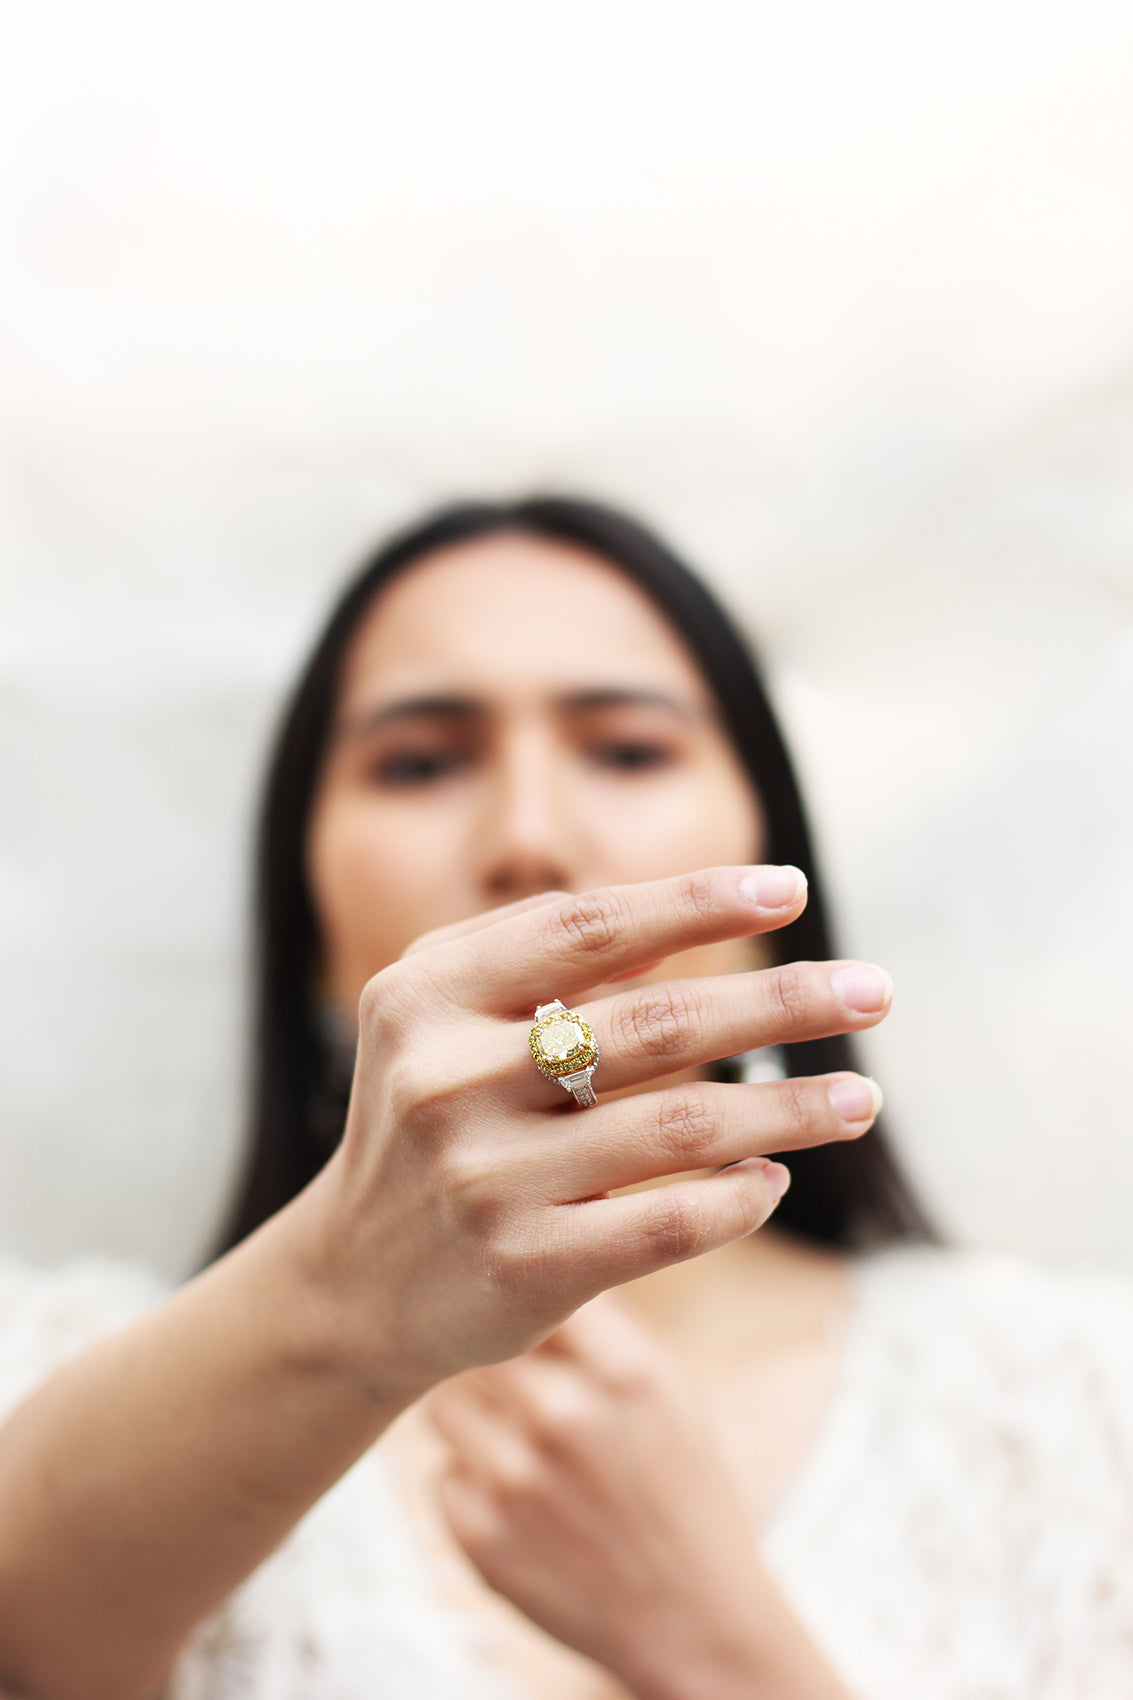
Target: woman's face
(514,716)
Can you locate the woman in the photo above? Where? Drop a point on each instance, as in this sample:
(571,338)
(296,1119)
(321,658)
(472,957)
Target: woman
(789,1468)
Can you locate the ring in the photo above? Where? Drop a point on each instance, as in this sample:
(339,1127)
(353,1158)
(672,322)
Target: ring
(564,1050)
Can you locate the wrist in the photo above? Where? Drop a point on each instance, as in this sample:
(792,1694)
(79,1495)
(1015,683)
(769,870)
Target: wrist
(336,1327)
(748,1647)
(715,1667)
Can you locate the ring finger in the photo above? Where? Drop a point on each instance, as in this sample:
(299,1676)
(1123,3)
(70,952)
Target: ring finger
(679,1024)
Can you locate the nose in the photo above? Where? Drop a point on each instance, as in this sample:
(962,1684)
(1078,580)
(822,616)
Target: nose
(527,839)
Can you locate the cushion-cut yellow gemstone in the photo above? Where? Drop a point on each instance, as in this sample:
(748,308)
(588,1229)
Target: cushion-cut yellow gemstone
(559,1038)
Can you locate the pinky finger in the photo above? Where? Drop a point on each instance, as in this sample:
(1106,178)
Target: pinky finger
(639,1232)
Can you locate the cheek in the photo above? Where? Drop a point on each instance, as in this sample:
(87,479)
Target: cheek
(374,886)
(701,817)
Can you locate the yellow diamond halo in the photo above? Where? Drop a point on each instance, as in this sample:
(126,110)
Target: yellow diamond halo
(562,1043)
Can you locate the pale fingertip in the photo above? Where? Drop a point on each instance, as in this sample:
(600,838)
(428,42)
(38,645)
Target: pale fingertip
(774,888)
(855,1098)
(863,988)
(778,1179)
(776,1176)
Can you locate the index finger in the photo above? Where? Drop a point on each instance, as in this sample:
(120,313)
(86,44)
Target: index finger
(475,924)
(575,943)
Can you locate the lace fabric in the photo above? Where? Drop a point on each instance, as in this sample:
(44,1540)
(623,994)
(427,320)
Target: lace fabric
(962,1528)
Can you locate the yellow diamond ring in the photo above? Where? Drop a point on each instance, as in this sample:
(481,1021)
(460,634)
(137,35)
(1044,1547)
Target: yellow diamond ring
(564,1050)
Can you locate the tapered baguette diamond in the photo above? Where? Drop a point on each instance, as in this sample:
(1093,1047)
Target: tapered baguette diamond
(564,1050)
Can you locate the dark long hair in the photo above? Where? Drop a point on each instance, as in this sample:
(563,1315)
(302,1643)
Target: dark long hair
(847,1194)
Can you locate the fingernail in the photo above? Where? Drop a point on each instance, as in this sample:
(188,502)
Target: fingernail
(863,988)
(778,1180)
(776,1177)
(774,888)
(855,1099)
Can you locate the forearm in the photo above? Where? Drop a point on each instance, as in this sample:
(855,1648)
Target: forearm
(147,1478)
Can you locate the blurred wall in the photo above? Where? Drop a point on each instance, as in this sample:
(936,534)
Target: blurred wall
(840,296)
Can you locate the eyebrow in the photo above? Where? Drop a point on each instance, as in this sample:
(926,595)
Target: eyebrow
(464,708)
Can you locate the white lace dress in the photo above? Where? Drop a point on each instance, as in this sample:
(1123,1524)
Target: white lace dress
(961,1530)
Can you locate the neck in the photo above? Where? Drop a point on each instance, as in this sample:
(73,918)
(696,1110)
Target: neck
(773,1284)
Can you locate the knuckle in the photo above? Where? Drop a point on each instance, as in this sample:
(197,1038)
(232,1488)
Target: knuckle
(594,920)
(378,1005)
(656,1024)
(483,1214)
(423,1103)
(391,1006)
(483,1534)
(562,1421)
(460,1176)
(636,1373)
(517,1260)
(519,1473)
(676,1228)
(686,1128)
(632,1382)
(430,1095)
(698,892)
(791,995)
(796,1111)
(459,1169)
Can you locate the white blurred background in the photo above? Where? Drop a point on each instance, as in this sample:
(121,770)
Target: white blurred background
(839,296)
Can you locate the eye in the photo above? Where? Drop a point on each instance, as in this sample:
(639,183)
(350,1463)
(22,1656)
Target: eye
(403,769)
(630,755)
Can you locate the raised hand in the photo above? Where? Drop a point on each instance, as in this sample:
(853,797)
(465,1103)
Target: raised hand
(463,1217)
(466,1212)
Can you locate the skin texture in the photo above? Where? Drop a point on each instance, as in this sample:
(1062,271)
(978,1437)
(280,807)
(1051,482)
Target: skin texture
(535,790)
(553,775)
(455,1227)
(585,1487)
